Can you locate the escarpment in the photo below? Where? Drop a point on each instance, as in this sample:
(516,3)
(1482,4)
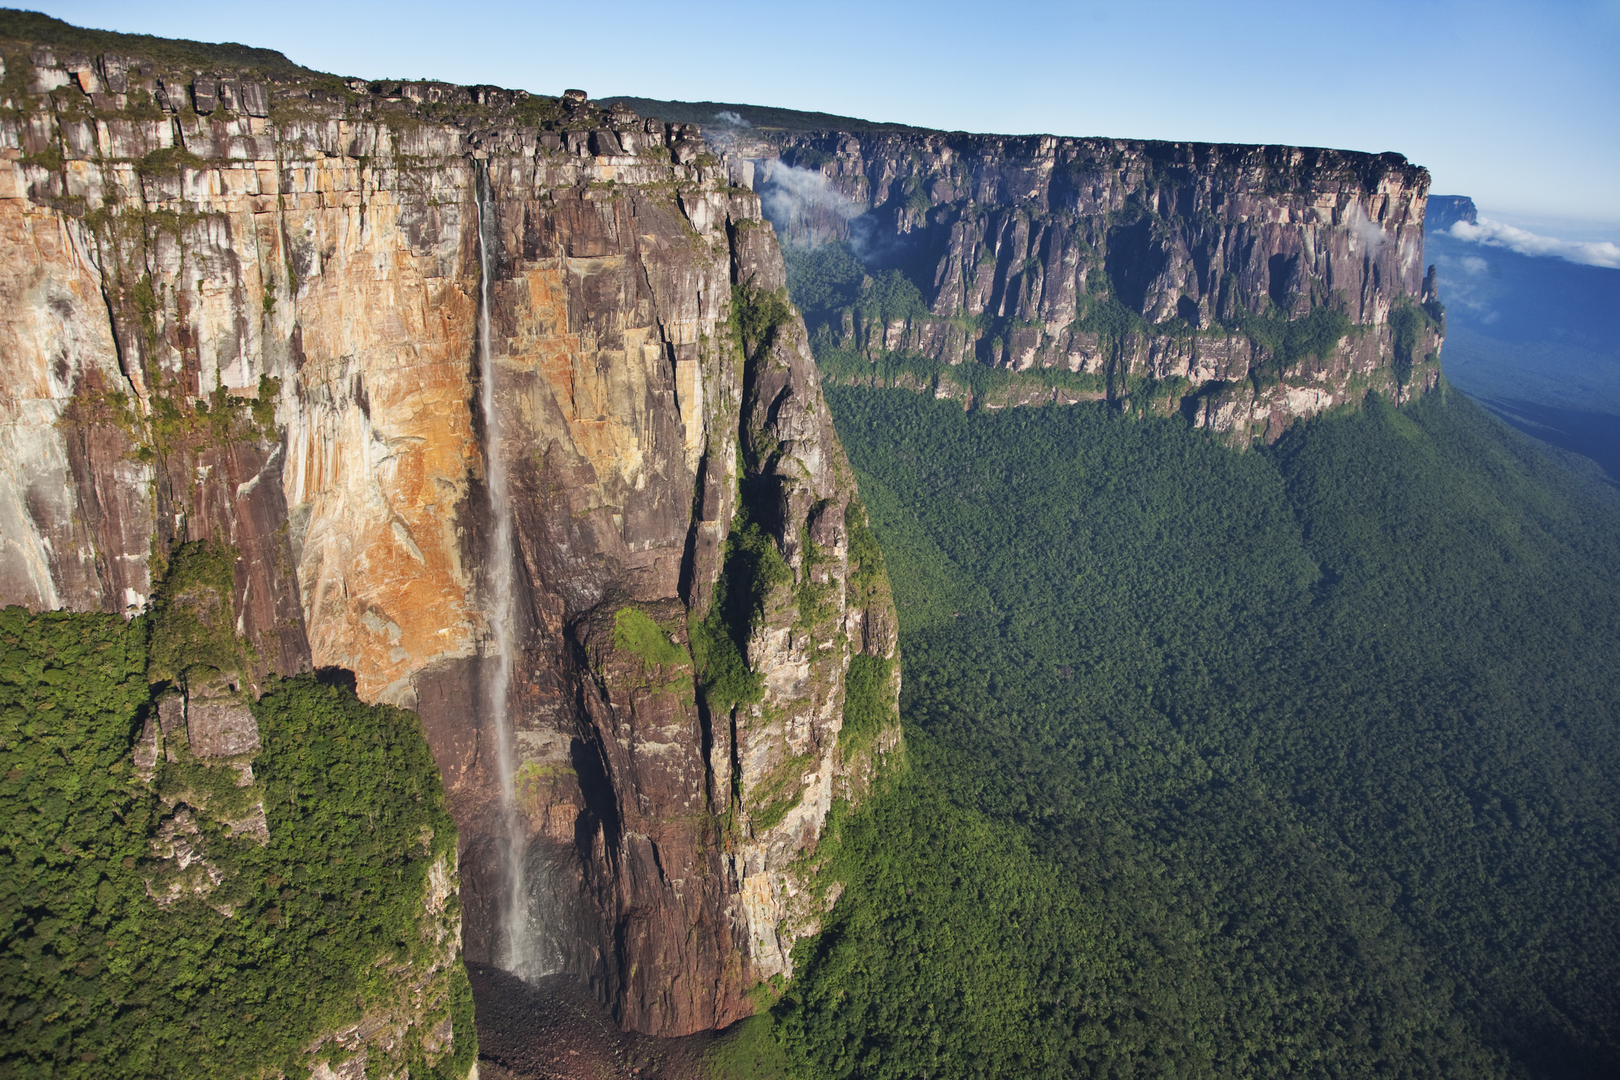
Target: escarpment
(241,305)
(1244,286)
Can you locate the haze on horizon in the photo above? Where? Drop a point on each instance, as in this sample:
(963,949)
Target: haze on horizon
(1514,104)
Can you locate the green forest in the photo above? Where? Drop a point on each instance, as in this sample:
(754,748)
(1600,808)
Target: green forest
(297,935)
(1290,762)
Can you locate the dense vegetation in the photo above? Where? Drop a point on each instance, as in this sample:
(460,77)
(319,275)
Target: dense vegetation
(296,936)
(1294,762)
(33,26)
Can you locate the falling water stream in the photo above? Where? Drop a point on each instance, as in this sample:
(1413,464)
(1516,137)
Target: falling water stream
(516,950)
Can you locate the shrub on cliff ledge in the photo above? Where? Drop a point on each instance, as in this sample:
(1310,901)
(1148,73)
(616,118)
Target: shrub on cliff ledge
(635,632)
(752,569)
(756,315)
(1291,340)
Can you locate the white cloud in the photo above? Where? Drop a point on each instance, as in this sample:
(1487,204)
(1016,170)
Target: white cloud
(1365,229)
(789,191)
(730,118)
(1496,234)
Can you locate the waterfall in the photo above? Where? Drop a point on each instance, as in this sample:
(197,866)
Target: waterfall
(516,949)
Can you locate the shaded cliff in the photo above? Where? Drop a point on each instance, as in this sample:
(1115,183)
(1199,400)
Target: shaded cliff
(241,305)
(1444,211)
(1241,285)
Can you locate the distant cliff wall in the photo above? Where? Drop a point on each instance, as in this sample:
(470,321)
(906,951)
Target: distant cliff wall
(241,304)
(1177,275)
(1444,211)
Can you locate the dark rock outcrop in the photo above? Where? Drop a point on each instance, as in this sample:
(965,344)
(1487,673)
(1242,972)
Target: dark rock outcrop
(1444,211)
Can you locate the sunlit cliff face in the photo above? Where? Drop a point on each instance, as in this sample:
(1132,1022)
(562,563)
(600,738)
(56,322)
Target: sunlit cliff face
(310,263)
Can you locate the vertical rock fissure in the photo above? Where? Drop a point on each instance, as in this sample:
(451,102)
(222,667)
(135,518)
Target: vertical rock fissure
(515,950)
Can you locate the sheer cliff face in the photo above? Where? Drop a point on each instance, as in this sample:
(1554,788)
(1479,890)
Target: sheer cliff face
(1017,242)
(190,257)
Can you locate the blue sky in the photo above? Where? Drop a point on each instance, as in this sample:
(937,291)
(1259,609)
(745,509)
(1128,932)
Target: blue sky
(1516,104)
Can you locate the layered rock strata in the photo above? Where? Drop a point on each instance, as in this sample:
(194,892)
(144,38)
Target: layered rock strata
(240,304)
(1167,271)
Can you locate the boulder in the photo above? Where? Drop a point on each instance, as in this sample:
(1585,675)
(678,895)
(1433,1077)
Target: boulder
(221,727)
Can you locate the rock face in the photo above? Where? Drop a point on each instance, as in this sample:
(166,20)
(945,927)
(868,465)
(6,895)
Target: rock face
(242,305)
(1168,272)
(1444,211)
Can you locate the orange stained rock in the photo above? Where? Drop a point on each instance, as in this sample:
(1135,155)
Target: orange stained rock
(383,473)
(555,359)
(547,302)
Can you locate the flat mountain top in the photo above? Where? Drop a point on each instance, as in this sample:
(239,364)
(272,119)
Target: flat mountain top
(764,117)
(37,28)
(771,121)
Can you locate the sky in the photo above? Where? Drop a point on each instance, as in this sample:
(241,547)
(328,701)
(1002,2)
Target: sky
(1514,104)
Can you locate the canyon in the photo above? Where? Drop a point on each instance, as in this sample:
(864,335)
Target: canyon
(243,308)
(498,402)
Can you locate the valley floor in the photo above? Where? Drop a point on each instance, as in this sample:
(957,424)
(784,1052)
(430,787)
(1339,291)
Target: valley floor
(555,1029)
(1594,435)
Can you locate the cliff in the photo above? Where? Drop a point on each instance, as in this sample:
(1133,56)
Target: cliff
(1244,286)
(1444,211)
(485,390)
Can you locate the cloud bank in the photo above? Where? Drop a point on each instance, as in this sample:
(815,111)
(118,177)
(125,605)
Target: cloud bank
(790,192)
(1496,234)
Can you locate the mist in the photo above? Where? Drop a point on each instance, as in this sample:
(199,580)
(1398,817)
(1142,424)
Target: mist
(1498,234)
(1371,234)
